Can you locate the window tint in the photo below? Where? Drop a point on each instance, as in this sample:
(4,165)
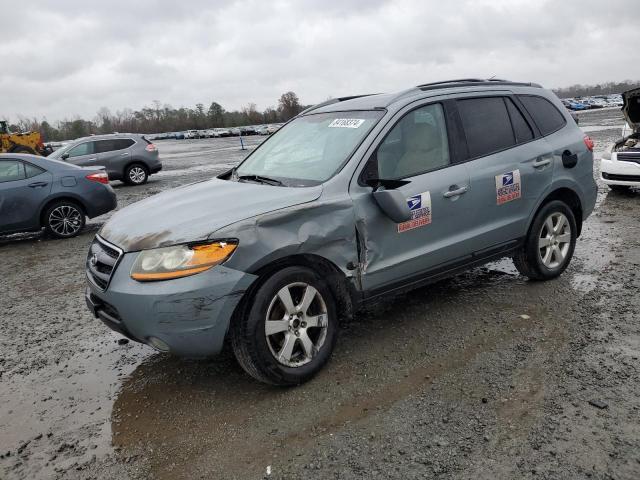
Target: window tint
(110,145)
(11,170)
(547,117)
(521,127)
(32,170)
(486,125)
(417,144)
(82,149)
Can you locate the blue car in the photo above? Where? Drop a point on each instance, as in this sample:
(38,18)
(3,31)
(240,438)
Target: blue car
(37,192)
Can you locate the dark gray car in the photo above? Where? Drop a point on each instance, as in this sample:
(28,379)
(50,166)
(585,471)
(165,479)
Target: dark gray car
(37,192)
(127,157)
(354,198)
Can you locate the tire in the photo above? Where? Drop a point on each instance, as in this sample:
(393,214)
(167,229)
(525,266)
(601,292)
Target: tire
(136,174)
(23,149)
(619,188)
(55,215)
(549,247)
(280,357)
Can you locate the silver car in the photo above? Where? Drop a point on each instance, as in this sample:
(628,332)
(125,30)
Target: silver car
(353,199)
(130,158)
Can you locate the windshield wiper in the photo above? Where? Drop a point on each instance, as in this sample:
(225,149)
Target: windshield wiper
(261,179)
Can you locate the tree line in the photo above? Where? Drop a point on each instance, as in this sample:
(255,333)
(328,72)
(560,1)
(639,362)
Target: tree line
(606,88)
(159,118)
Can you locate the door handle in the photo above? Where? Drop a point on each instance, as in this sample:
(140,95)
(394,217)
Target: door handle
(541,162)
(454,191)
(124,154)
(38,184)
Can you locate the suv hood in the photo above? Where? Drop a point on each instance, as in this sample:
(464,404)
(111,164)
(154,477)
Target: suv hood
(631,108)
(194,212)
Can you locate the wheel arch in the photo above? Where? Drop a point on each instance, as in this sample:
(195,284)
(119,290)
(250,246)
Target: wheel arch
(336,280)
(568,196)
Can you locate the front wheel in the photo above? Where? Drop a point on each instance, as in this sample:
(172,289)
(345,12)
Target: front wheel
(288,328)
(549,244)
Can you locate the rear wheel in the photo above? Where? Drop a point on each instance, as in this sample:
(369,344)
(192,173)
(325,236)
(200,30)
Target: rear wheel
(288,329)
(550,243)
(64,219)
(23,149)
(136,174)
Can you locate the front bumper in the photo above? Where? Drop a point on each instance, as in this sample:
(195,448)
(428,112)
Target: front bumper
(615,172)
(191,315)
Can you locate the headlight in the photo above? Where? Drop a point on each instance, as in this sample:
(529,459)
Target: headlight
(179,261)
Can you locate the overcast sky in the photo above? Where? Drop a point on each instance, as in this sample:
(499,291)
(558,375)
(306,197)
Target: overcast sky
(67,58)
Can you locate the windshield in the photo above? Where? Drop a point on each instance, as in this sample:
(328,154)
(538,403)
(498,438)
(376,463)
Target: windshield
(310,149)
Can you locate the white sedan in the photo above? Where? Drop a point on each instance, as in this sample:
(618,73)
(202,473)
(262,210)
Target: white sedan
(620,164)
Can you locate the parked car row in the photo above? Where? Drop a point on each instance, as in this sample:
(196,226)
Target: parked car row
(218,132)
(586,103)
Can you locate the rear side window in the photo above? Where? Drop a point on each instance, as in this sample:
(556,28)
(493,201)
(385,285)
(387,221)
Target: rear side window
(11,170)
(32,170)
(520,126)
(486,124)
(110,145)
(547,117)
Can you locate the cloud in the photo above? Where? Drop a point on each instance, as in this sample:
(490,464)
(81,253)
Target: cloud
(69,58)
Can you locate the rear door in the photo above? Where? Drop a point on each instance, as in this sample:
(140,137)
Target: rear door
(416,149)
(510,167)
(23,189)
(114,154)
(83,154)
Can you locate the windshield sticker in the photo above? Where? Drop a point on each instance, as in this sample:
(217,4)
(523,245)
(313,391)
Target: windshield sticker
(420,206)
(508,186)
(346,123)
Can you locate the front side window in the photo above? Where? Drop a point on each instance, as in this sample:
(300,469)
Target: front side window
(310,149)
(82,149)
(11,170)
(486,124)
(417,144)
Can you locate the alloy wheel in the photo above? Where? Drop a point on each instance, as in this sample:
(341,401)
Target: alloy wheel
(65,220)
(137,174)
(554,240)
(296,324)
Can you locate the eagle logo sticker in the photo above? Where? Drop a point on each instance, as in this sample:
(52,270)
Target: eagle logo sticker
(420,206)
(508,187)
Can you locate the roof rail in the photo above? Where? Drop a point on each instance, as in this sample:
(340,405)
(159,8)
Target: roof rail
(331,101)
(475,82)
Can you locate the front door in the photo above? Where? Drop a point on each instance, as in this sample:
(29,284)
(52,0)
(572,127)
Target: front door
(416,149)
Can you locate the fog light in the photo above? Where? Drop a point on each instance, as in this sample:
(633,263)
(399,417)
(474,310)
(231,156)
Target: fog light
(158,344)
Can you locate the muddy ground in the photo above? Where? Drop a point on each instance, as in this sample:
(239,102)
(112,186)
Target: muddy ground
(484,375)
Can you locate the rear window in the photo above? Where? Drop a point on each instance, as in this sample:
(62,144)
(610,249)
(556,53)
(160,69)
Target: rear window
(110,145)
(547,117)
(486,124)
(32,170)
(521,127)
(11,170)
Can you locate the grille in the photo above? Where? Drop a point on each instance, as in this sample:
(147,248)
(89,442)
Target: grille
(621,178)
(629,156)
(101,262)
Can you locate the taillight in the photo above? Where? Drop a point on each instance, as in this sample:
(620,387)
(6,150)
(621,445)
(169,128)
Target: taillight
(151,148)
(100,177)
(588,142)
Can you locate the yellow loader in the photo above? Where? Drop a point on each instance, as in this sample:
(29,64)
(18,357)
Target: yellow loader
(28,142)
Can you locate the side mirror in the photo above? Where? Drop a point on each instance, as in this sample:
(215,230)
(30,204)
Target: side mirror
(393,204)
(64,156)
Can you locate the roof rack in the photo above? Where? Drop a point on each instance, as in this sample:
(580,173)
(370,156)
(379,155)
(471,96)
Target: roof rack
(331,101)
(473,82)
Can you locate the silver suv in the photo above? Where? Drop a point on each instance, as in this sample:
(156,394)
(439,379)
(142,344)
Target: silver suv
(126,156)
(354,198)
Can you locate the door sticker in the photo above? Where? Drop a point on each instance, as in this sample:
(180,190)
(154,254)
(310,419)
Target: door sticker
(420,206)
(346,123)
(508,186)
